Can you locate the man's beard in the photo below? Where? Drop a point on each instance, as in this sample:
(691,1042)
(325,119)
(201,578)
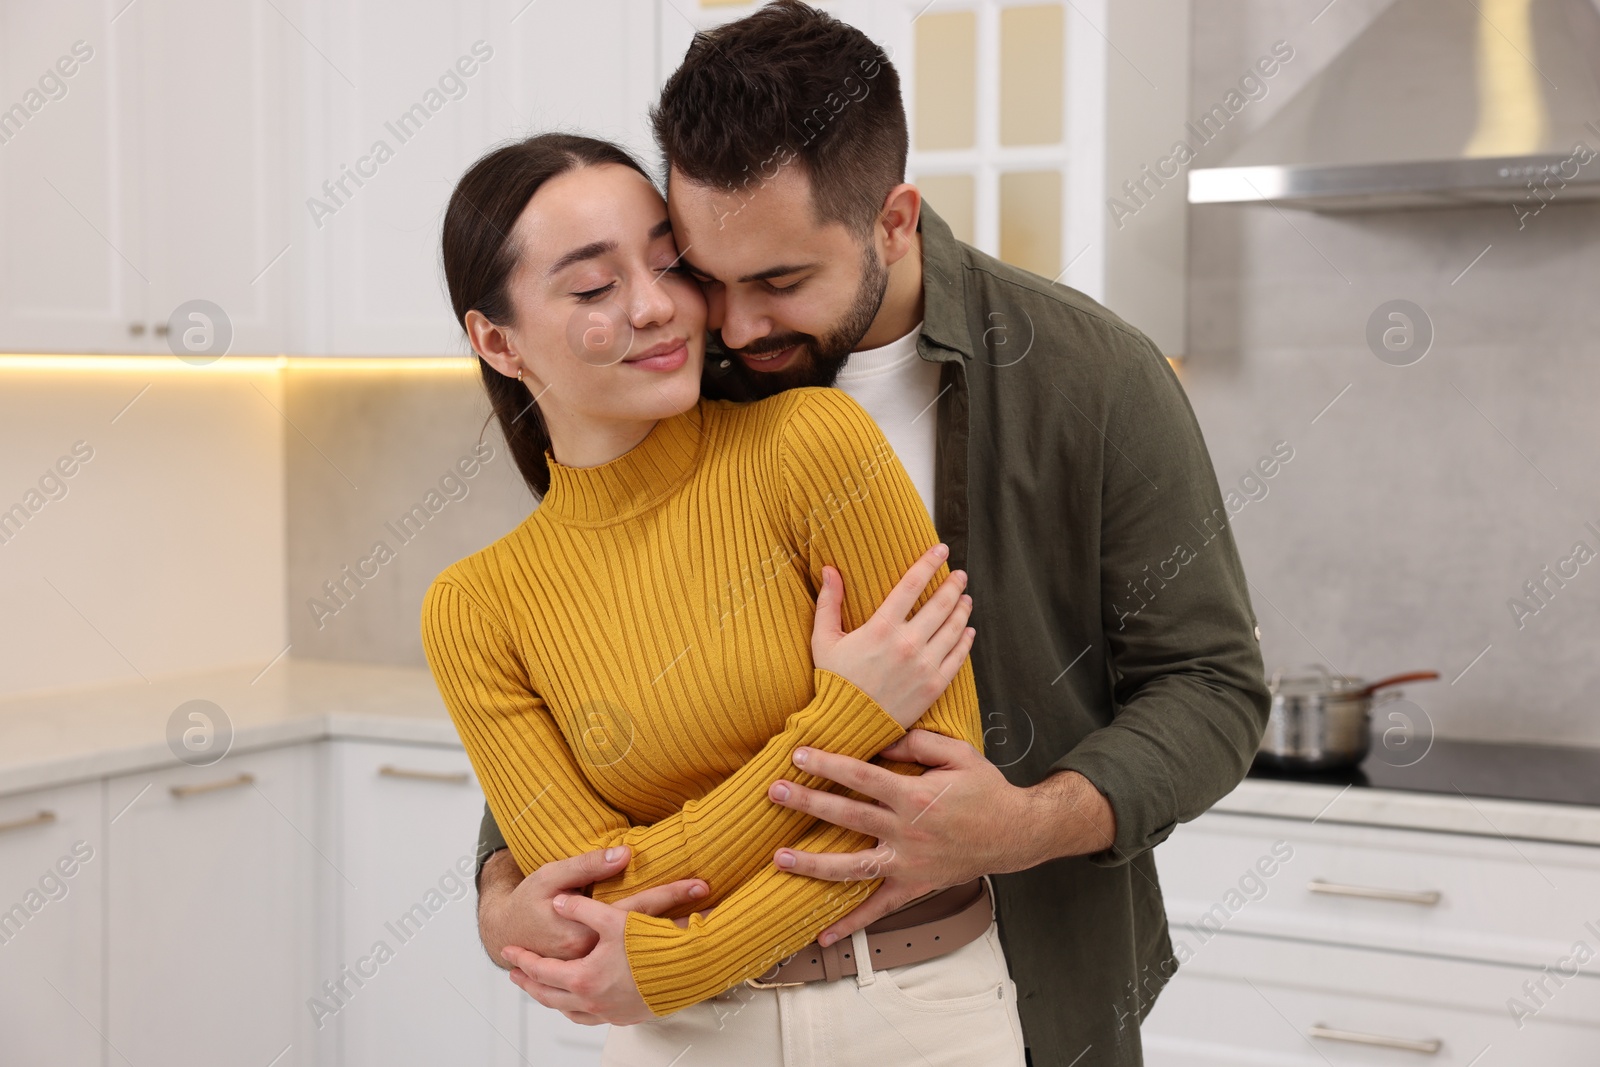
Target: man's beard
(820,358)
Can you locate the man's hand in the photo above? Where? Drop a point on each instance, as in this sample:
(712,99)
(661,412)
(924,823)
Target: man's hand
(956,821)
(518,911)
(598,988)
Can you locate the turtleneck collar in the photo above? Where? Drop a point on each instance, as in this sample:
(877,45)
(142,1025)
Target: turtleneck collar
(635,481)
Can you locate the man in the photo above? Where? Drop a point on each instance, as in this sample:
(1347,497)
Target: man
(1117,659)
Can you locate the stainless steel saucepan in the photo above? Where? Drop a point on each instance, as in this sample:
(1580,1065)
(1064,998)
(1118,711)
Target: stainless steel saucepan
(1322,721)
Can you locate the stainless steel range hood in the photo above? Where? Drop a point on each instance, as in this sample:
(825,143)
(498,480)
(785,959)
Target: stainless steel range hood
(1438,103)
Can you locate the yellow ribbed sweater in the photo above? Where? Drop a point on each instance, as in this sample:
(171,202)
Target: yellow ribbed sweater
(632,665)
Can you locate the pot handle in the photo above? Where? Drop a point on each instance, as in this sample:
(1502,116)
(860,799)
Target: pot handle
(1397,679)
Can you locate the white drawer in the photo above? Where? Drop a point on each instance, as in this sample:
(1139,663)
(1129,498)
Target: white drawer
(1263,1001)
(1481,898)
(53,859)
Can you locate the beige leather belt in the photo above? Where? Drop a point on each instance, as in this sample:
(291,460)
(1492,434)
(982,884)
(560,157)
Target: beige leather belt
(931,927)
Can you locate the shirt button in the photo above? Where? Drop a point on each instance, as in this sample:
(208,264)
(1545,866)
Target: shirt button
(1258,633)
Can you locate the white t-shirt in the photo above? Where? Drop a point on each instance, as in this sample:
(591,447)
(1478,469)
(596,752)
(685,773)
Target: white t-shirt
(897,388)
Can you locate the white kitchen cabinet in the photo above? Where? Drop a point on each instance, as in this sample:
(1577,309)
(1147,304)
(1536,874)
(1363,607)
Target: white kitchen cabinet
(1305,942)
(156,177)
(52,895)
(289,162)
(390,121)
(215,85)
(300,906)
(211,912)
(411,982)
(71,248)
(1484,898)
(409,96)
(407,819)
(1278,1003)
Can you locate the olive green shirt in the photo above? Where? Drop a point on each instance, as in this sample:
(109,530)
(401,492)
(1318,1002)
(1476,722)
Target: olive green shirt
(1115,633)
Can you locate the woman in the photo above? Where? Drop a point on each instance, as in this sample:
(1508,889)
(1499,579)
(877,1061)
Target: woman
(630,665)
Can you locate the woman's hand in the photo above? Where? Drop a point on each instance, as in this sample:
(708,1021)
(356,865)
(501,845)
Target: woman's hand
(902,664)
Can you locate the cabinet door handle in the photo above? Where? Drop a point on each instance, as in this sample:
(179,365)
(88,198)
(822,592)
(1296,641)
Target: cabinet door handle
(237,780)
(40,819)
(1429,1047)
(452,777)
(1426,898)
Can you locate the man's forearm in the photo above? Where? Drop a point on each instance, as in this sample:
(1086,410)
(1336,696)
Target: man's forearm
(496,882)
(1066,816)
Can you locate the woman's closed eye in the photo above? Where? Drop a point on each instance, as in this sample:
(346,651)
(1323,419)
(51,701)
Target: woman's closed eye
(588,296)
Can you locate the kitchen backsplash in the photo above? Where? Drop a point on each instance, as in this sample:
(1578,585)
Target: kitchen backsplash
(392,479)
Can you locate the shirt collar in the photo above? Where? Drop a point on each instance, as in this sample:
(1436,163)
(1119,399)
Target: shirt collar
(944,300)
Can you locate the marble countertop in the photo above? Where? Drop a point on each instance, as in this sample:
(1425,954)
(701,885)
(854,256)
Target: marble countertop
(74,735)
(71,735)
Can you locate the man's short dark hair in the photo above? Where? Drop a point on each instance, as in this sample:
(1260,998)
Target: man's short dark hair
(788,84)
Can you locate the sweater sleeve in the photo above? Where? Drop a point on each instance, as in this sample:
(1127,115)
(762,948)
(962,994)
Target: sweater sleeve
(857,509)
(548,809)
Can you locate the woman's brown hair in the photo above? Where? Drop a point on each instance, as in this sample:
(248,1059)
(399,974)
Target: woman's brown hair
(480,258)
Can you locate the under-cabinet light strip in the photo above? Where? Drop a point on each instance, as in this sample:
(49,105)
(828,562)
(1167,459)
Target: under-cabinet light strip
(147,364)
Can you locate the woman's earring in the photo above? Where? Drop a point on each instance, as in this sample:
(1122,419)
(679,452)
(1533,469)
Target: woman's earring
(519,374)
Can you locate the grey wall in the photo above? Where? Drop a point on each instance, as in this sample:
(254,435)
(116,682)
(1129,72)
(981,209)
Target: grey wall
(1421,501)
(366,447)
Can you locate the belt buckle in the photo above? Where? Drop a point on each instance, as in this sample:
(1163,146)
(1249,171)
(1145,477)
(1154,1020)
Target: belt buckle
(756,983)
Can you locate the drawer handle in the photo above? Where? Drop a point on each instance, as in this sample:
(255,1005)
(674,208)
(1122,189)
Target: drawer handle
(41,819)
(1429,1047)
(1426,898)
(452,777)
(181,791)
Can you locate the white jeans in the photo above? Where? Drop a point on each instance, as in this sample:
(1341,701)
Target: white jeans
(959,1009)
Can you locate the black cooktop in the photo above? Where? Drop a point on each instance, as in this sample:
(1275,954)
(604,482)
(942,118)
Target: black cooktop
(1506,770)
